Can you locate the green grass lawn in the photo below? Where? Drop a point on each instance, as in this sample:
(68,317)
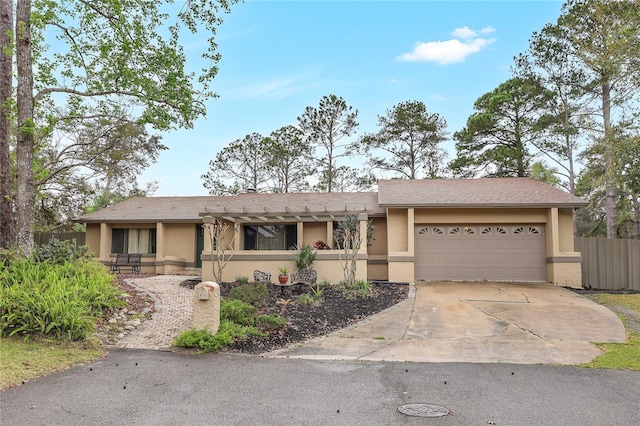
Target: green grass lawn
(22,361)
(621,356)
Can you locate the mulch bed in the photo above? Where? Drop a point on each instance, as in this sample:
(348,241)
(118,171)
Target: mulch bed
(336,310)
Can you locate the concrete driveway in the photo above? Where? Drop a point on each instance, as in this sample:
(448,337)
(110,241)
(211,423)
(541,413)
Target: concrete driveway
(476,322)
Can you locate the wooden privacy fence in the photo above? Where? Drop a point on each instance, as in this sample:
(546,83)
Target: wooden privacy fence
(40,238)
(609,264)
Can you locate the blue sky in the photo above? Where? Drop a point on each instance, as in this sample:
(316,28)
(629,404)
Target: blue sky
(279,57)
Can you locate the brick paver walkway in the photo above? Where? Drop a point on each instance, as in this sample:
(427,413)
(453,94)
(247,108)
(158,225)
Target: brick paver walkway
(173,313)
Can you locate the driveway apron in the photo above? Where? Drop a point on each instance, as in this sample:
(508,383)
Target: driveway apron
(529,323)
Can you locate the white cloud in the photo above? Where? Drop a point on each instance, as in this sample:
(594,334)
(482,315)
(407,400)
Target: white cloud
(464,43)
(487,30)
(464,33)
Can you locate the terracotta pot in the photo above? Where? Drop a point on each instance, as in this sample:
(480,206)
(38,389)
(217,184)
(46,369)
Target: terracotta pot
(283,279)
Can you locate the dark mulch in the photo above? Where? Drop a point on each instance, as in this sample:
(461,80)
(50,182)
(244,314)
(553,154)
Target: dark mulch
(337,310)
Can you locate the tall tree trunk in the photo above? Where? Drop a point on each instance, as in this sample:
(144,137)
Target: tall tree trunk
(572,176)
(636,218)
(6,59)
(25,197)
(609,173)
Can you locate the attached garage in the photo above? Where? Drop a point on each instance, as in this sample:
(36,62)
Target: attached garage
(471,252)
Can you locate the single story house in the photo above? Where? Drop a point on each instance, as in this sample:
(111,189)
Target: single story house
(498,229)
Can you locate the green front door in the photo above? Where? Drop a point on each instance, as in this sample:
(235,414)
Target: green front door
(199,245)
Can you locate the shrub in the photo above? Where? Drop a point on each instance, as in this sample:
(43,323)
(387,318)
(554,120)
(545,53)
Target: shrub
(203,339)
(206,341)
(363,287)
(305,299)
(255,294)
(357,287)
(59,252)
(61,300)
(237,311)
(270,323)
(243,280)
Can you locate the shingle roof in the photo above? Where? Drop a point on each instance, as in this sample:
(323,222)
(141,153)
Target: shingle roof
(150,209)
(487,192)
(189,209)
(494,192)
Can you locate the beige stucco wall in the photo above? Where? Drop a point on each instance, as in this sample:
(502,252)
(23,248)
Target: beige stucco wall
(243,264)
(175,245)
(565,272)
(379,243)
(92,239)
(314,231)
(401,269)
(480,215)
(565,229)
(397,225)
(377,271)
(228,238)
(180,241)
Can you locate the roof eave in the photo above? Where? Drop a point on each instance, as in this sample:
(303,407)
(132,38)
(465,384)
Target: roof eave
(486,206)
(190,220)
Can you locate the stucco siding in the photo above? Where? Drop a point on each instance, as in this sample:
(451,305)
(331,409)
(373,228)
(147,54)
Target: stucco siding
(180,241)
(397,230)
(488,215)
(565,230)
(401,270)
(314,231)
(377,271)
(329,269)
(379,243)
(92,239)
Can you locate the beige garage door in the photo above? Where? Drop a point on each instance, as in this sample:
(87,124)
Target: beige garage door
(480,252)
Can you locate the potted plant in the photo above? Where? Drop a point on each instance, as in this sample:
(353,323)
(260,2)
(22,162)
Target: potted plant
(283,276)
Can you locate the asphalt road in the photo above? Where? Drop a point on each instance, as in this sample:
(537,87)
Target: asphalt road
(162,388)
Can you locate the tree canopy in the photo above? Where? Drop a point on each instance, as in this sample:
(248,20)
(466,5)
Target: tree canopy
(498,137)
(81,61)
(407,143)
(326,129)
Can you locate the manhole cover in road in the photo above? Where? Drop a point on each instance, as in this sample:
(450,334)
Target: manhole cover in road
(423,410)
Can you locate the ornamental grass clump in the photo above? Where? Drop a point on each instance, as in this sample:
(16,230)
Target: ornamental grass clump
(62,300)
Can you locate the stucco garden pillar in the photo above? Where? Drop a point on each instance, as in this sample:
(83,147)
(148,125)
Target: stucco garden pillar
(564,266)
(206,306)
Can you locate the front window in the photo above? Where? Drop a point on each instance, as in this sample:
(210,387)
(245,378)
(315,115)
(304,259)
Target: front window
(133,240)
(270,237)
